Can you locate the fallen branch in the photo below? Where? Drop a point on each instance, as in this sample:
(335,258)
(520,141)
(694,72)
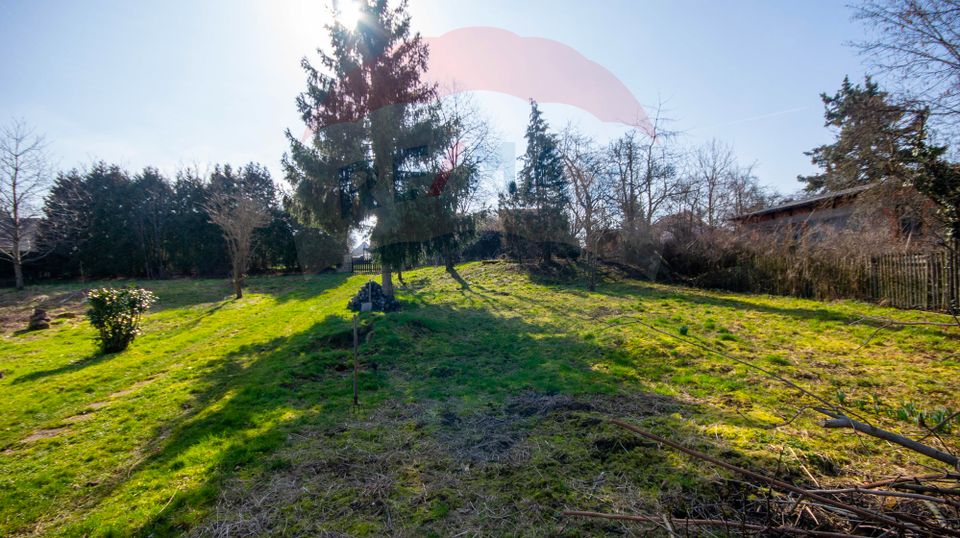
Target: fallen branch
(911,479)
(700,345)
(928,489)
(885,493)
(838,420)
(831,410)
(916,525)
(711,523)
(942,423)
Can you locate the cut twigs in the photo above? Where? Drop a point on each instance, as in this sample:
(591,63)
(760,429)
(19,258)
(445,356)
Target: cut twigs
(911,479)
(902,522)
(733,525)
(885,493)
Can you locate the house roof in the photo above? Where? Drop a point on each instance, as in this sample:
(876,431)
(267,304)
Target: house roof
(361,249)
(810,201)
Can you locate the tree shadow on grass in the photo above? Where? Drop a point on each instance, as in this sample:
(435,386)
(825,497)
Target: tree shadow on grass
(640,289)
(255,401)
(90,360)
(430,355)
(187,292)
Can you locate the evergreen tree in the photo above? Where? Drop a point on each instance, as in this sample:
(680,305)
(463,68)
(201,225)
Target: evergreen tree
(874,139)
(63,229)
(197,246)
(368,113)
(152,210)
(110,238)
(939,179)
(542,190)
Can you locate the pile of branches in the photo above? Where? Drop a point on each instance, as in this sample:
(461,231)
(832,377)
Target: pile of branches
(926,505)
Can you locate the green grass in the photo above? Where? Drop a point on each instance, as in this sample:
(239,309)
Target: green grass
(481,409)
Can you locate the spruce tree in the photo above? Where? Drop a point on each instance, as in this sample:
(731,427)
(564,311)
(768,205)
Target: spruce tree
(542,192)
(368,109)
(874,139)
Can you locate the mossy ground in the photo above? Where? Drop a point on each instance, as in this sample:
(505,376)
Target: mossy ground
(481,409)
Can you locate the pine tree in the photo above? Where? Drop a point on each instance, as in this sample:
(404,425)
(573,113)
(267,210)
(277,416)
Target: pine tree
(874,139)
(542,191)
(370,120)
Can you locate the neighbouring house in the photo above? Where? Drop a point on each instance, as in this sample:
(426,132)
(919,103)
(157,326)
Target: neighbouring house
(832,208)
(897,214)
(29,230)
(358,254)
(361,252)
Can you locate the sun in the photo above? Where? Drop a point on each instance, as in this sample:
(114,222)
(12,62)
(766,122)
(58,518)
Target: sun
(348,12)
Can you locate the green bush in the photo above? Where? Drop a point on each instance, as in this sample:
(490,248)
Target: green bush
(116,314)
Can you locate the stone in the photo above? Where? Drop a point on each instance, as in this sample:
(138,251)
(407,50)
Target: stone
(39,320)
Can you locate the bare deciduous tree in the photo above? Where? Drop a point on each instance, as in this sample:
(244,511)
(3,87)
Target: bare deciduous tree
(472,148)
(583,164)
(645,181)
(714,165)
(238,215)
(24,178)
(918,42)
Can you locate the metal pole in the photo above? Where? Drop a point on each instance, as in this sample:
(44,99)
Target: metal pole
(356,363)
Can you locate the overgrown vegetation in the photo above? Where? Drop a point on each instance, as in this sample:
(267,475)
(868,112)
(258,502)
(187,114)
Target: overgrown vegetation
(482,409)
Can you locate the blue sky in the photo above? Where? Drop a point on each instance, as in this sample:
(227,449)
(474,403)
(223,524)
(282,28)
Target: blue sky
(184,83)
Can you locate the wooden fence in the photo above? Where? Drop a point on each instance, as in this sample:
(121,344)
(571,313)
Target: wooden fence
(915,281)
(921,281)
(365,267)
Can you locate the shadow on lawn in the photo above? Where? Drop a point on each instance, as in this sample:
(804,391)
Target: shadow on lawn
(639,289)
(183,293)
(259,398)
(89,360)
(264,396)
(299,287)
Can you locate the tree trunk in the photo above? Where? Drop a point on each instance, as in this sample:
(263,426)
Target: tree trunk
(18,274)
(238,281)
(387,278)
(16,258)
(448,259)
(592,264)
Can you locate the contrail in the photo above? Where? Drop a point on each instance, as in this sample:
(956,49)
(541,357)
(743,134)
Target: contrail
(754,118)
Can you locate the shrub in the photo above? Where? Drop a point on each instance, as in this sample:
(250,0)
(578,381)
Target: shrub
(116,314)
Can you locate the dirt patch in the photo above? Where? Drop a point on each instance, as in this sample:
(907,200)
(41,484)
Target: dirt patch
(129,390)
(16,307)
(468,468)
(491,434)
(43,434)
(82,417)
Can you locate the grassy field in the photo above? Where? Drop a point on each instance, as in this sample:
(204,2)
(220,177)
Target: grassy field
(481,409)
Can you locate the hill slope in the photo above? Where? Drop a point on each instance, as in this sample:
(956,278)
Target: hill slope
(481,409)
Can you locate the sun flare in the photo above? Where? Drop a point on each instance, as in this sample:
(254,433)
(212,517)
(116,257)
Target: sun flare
(348,12)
